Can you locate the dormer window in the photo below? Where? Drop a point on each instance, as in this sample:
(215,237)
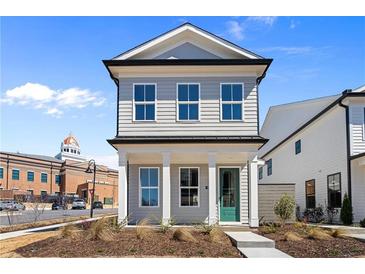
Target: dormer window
(144,102)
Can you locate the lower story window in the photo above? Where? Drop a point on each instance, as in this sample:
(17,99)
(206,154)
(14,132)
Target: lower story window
(334,190)
(189,186)
(310,194)
(149,183)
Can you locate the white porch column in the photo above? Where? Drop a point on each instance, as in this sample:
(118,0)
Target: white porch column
(122,187)
(253,187)
(212,188)
(166,192)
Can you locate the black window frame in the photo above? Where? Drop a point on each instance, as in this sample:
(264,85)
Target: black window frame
(306,194)
(269,167)
(338,204)
(298,149)
(261,172)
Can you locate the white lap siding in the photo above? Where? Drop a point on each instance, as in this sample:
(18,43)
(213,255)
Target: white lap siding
(324,152)
(358,189)
(166,123)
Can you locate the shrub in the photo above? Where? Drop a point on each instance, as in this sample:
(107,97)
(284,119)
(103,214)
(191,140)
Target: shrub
(100,230)
(346,211)
(362,223)
(337,233)
(216,235)
(143,229)
(164,227)
(314,215)
(317,233)
(300,225)
(183,235)
(284,208)
(68,231)
(331,212)
(293,237)
(205,228)
(269,228)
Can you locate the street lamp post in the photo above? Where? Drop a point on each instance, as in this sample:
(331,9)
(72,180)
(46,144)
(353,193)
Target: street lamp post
(89,170)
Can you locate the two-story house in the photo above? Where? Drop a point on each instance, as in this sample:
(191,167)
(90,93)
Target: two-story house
(187,128)
(319,145)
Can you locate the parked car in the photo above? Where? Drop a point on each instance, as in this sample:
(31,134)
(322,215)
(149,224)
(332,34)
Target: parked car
(78,204)
(11,205)
(98,204)
(57,206)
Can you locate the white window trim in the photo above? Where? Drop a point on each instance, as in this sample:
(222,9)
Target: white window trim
(187,102)
(144,103)
(33,176)
(197,187)
(140,187)
(41,177)
(232,102)
(12,174)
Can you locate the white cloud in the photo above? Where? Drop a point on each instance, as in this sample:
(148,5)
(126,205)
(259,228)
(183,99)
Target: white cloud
(235,29)
(289,50)
(292,24)
(39,96)
(266,20)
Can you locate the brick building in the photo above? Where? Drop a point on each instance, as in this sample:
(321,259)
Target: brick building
(63,174)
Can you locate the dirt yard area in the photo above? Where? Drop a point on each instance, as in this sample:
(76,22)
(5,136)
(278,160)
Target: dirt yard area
(302,241)
(8,247)
(126,244)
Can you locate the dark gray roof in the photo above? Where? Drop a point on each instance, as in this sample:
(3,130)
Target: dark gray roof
(34,156)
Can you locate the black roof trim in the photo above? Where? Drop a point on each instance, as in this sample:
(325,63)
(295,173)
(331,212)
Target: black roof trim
(345,93)
(187,62)
(186,139)
(189,24)
(353,157)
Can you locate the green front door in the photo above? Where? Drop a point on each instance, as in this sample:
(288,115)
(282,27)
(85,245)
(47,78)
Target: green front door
(229,194)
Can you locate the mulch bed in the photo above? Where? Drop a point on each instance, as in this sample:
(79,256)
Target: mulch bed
(126,244)
(308,248)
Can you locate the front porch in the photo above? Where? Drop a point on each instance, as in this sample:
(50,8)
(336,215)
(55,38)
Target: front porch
(190,183)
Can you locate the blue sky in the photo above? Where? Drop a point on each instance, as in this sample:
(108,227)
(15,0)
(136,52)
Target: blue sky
(70,90)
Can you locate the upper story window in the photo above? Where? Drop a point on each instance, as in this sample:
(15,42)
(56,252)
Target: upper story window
(298,147)
(149,183)
(1,172)
(261,172)
(334,190)
(188,102)
(269,167)
(15,174)
(58,179)
(30,176)
(231,102)
(144,102)
(44,177)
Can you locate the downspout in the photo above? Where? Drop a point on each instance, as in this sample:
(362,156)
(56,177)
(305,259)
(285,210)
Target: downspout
(348,145)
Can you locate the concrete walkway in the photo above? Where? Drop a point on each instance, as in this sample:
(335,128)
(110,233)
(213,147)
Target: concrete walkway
(9,235)
(252,245)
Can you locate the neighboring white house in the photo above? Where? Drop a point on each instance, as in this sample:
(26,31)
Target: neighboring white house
(319,145)
(187,128)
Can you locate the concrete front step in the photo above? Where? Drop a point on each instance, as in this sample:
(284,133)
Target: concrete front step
(262,252)
(249,239)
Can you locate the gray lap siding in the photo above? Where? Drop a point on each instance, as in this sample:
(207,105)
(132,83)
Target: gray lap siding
(180,214)
(166,122)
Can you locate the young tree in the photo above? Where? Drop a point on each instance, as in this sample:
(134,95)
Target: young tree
(346,211)
(284,208)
